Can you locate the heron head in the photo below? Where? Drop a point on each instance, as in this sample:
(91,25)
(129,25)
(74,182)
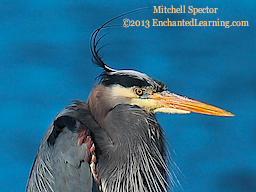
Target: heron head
(135,88)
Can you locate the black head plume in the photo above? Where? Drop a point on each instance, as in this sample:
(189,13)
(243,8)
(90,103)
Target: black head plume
(94,41)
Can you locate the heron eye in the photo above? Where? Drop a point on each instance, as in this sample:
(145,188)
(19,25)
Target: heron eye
(139,92)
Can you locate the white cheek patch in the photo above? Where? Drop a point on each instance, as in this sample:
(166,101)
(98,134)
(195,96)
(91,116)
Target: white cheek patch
(170,110)
(118,91)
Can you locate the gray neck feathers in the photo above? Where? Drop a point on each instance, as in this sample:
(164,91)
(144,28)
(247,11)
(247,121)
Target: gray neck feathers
(137,159)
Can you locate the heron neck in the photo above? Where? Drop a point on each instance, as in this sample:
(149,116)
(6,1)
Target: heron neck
(101,101)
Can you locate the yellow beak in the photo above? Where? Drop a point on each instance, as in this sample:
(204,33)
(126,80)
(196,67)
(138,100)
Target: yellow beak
(172,103)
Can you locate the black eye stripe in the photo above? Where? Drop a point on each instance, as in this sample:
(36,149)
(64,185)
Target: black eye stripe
(125,81)
(132,81)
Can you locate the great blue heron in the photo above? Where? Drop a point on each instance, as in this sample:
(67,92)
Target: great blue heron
(112,142)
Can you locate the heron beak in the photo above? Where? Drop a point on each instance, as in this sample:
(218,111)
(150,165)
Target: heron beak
(173,103)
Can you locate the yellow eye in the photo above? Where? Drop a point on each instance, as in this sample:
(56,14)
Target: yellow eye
(139,92)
